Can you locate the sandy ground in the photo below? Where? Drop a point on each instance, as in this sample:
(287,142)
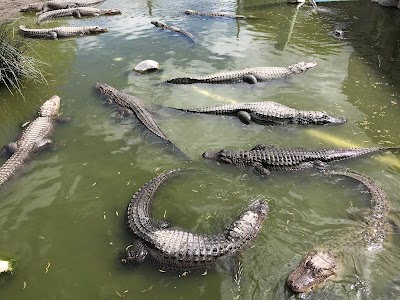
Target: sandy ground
(10,8)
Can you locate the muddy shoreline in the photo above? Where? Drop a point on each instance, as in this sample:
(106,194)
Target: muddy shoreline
(10,8)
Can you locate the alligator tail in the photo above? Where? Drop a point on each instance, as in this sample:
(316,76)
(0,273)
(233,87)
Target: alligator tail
(183,80)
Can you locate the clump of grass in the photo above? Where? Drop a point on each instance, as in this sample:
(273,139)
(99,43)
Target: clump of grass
(15,63)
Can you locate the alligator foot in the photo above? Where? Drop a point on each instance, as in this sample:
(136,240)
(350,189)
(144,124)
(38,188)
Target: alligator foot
(52,35)
(244,116)
(135,253)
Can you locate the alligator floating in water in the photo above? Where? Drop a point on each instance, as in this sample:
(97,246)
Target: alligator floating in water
(213,14)
(249,75)
(132,104)
(61,32)
(267,113)
(324,263)
(266,158)
(76,12)
(178,249)
(34,138)
(174,29)
(42,7)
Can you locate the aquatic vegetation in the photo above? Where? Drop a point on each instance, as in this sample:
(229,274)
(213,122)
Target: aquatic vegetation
(15,63)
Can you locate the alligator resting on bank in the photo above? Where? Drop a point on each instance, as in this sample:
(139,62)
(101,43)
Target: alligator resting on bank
(34,138)
(267,158)
(42,7)
(76,12)
(214,14)
(173,248)
(174,29)
(131,104)
(248,75)
(268,113)
(61,32)
(325,262)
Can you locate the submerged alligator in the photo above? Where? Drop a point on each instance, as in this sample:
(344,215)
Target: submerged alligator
(132,104)
(174,29)
(42,7)
(61,32)
(322,264)
(248,75)
(270,158)
(34,138)
(214,14)
(178,249)
(76,12)
(267,113)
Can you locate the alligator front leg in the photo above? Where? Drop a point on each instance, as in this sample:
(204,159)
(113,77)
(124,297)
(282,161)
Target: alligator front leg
(43,144)
(77,14)
(244,116)
(261,169)
(249,79)
(52,35)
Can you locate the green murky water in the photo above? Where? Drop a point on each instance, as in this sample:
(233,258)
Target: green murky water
(63,217)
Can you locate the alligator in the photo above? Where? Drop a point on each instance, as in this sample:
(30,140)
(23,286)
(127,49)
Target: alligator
(266,158)
(131,104)
(76,12)
(173,248)
(267,113)
(325,262)
(35,137)
(61,32)
(213,14)
(42,7)
(248,75)
(174,29)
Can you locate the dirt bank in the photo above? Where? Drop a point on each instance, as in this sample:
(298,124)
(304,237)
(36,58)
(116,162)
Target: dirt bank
(10,8)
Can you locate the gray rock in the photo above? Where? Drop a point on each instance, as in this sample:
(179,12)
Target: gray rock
(388,2)
(147,65)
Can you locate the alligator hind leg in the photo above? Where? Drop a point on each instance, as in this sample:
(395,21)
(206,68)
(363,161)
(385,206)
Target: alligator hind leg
(261,169)
(249,79)
(135,253)
(244,116)
(52,35)
(161,224)
(8,149)
(320,165)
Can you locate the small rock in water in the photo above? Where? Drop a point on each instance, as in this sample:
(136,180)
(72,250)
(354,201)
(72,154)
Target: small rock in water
(147,65)
(5,266)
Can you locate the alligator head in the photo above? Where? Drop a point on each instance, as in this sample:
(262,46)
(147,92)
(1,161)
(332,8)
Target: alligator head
(113,11)
(249,222)
(38,6)
(220,156)
(134,254)
(323,118)
(315,268)
(50,107)
(159,24)
(302,67)
(98,29)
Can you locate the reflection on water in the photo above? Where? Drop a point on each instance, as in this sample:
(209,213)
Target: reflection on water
(63,216)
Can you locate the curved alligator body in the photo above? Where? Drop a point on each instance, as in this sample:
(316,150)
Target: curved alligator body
(58,4)
(177,249)
(134,105)
(249,75)
(174,29)
(34,138)
(268,113)
(322,264)
(76,12)
(213,14)
(61,32)
(266,158)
